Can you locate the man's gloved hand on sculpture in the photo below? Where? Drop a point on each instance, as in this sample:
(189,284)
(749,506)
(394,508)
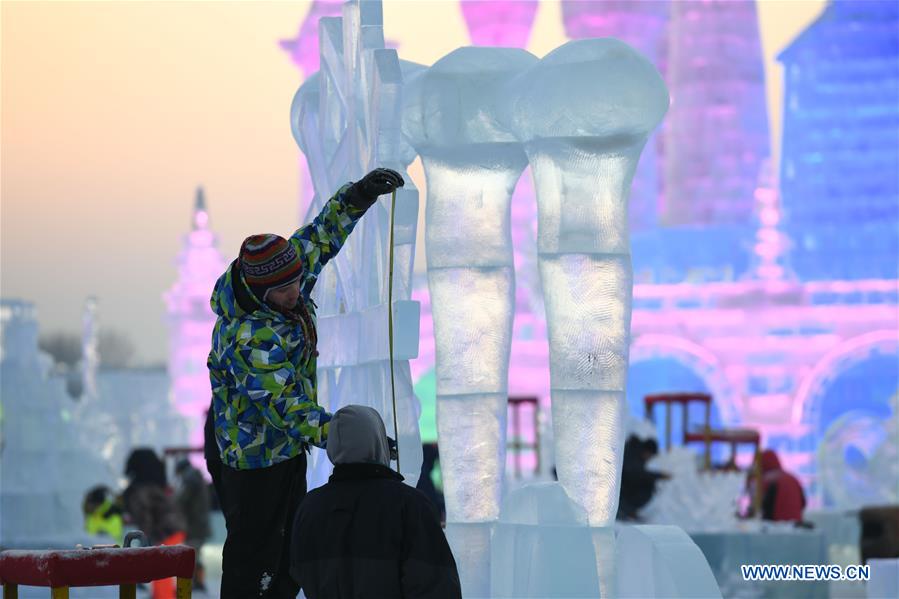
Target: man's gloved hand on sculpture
(262,366)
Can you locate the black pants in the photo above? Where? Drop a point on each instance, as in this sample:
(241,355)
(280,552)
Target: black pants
(259,507)
(430,455)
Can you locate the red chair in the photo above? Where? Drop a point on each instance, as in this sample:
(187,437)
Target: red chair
(706,434)
(127,567)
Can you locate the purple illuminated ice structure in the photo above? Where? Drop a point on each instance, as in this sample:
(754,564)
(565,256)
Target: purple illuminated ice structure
(191,320)
(504,23)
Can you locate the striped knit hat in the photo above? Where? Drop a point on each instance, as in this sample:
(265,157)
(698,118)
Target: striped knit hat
(267,262)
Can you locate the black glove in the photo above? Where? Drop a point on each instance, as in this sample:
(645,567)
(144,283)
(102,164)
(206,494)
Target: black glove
(376,183)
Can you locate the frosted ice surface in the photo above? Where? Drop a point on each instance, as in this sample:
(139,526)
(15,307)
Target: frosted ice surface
(476,425)
(542,546)
(461,99)
(453,117)
(468,225)
(589,88)
(662,561)
(588,428)
(693,500)
(584,113)
(582,188)
(588,301)
(542,503)
(304,105)
(470,544)
(474,322)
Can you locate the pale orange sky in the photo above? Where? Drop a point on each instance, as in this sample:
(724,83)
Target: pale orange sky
(111,114)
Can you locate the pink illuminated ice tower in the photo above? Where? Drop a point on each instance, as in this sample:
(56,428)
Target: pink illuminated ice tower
(717,129)
(191,320)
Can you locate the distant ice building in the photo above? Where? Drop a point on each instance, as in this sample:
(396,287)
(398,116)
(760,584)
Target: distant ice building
(191,320)
(717,135)
(54,447)
(841,142)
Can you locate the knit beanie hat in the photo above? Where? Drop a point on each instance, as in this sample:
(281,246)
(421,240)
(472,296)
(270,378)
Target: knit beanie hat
(268,261)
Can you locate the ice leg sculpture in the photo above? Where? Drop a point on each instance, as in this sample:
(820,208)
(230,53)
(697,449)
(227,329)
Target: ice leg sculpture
(472,165)
(584,113)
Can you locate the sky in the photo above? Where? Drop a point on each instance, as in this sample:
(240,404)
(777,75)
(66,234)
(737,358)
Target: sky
(112,113)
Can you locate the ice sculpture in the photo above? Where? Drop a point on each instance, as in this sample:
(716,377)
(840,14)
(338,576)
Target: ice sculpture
(346,120)
(90,354)
(662,561)
(693,500)
(472,163)
(584,113)
(44,469)
(508,24)
(857,463)
(304,52)
(642,25)
(542,546)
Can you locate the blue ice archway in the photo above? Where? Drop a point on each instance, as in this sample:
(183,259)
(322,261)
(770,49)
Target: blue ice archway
(849,403)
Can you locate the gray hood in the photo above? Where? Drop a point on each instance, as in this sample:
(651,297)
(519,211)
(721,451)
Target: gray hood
(357,436)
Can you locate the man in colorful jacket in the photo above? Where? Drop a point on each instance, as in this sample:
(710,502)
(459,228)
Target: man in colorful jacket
(262,369)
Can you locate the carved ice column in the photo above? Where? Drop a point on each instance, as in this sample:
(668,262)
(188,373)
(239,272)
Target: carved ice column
(472,164)
(584,114)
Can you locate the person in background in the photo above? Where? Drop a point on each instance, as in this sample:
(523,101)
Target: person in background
(782,497)
(430,481)
(192,499)
(365,533)
(638,484)
(150,507)
(102,513)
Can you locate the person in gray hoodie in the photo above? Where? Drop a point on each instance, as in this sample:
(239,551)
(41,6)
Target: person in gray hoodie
(365,533)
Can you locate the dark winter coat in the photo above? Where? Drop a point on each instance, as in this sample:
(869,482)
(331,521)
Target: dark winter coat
(638,484)
(365,533)
(152,510)
(146,500)
(192,499)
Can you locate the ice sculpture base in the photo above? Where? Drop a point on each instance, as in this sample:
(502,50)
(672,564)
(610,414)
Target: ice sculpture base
(542,547)
(662,561)
(884,580)
(470,543)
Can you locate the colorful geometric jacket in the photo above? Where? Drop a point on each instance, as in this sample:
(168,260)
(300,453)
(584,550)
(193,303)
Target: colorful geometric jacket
(261,369)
